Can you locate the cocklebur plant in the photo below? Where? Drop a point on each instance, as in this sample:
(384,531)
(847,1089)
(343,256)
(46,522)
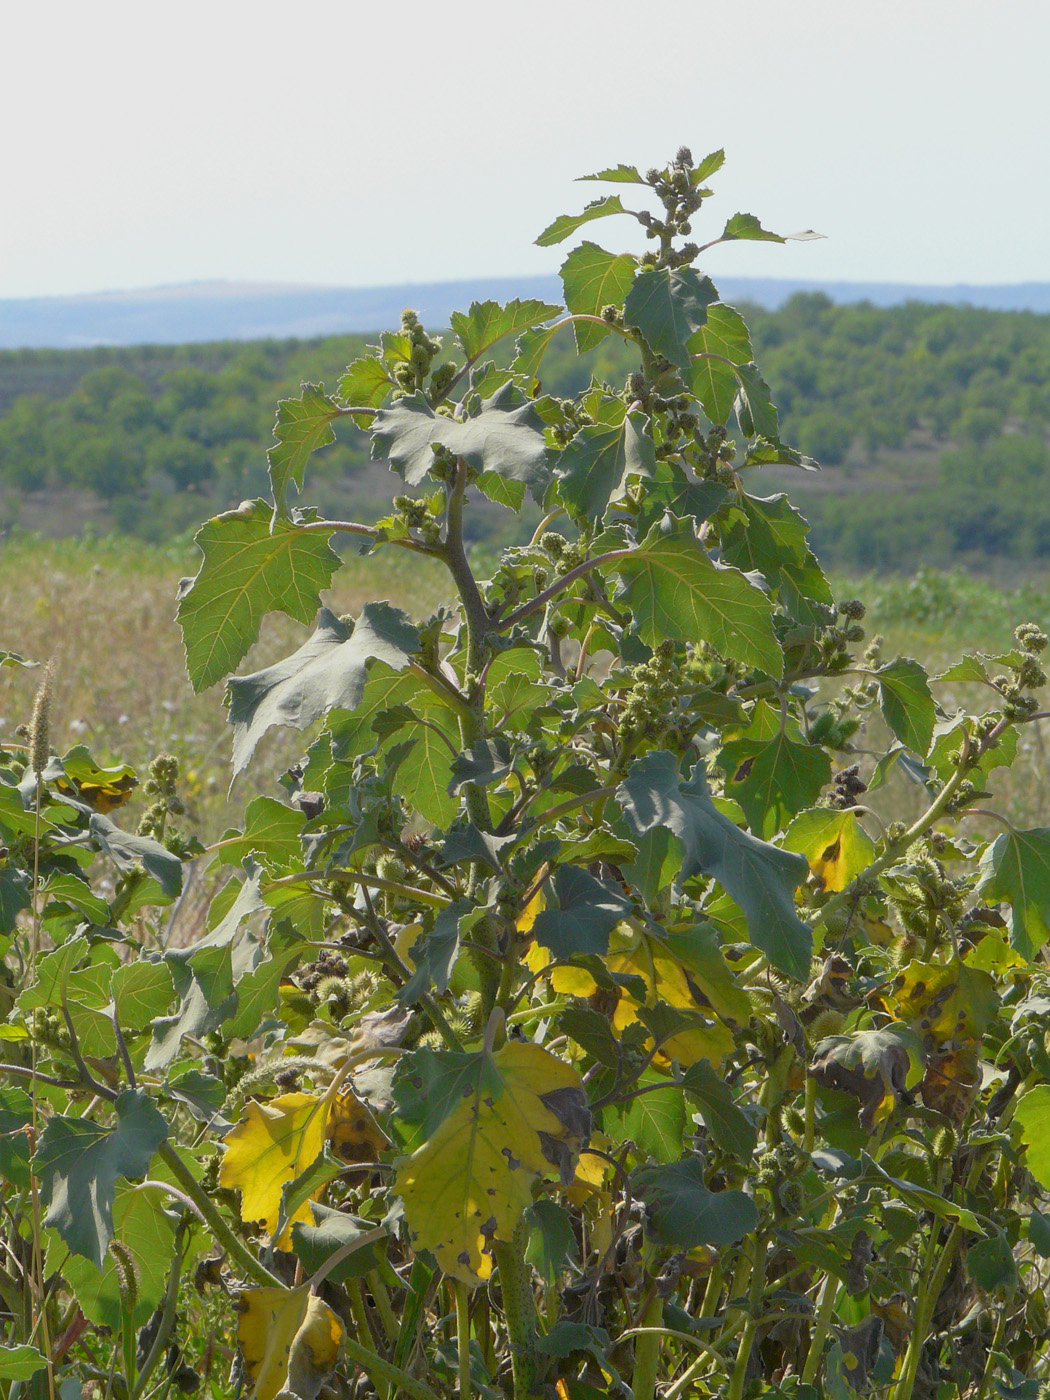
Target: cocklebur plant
(573,1022)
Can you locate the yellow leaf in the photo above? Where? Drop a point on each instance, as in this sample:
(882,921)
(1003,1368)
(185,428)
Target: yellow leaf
(273,1144)
(352,1132)
(591,1171)
(526,1118)
(995,954)
(566,981)
(289,1339)
(835,844)
(667,981)
(535,906)
(405,940)
(943,1001)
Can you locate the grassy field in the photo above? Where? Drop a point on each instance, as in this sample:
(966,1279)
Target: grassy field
(104,610)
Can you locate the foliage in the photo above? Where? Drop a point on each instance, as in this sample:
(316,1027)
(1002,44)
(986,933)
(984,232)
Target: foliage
(567,1026)
(936,415)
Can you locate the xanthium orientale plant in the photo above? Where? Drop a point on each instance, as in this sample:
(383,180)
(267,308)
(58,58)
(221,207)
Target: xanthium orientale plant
(570,1025)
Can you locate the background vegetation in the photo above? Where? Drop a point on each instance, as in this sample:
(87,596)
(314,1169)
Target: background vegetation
(930,421)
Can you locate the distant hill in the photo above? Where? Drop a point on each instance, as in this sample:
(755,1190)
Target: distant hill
(210,311)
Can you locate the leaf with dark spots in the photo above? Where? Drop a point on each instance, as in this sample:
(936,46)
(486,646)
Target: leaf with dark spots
(875,1067)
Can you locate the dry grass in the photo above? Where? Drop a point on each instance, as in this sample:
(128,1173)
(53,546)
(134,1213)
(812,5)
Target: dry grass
(104,611)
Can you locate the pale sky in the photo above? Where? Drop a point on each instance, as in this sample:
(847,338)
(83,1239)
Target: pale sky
(359,143)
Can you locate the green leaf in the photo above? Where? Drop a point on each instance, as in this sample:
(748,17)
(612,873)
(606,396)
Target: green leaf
(683,1213)
(487,322)
(755,409)
(747,226)
(1016,870)
(272,832)
(315,1244)
(126,849)
(593,279)
(676,591)
(328,672)
(967,670)
(303,425)
(668,306)
(530,350)
(618,175)
(15,895)
(247,572)
(552,1244)
(143,1226)
(594,466)
(773,779)
(759,877)
(1032,1114)
(728,1125)
(18,1363)
(707,167)
(435,953)
(504,439)
(990,1262)
(907,705)
(258,991)
(655,1121)
(309,1184)
(412,709)
(366,383)
(140,990)
(78,1163)
(768,534)
(581,915)
(566,224)
(1039,1233)
(591,1030)
(16,1114)
(714,383)
(488,761)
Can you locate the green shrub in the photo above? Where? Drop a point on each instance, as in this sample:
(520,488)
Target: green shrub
(569,1023)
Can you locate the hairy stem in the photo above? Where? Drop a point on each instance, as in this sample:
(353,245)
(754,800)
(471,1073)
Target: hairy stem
(519,1312)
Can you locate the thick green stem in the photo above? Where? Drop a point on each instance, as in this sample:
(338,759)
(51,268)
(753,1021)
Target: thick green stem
(647,1351)
(519,1312)
(755,1295)
(821,1327)
(359,1311)
(376,1369)
(224,1236)
(463,1338)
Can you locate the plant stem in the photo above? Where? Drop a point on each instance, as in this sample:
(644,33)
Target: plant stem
(377,1369)
(224,1236)
(541,600)
(755,1294)
(809,1133)
(359,1311)
(825,1312)
(519,1312)
(167,1317)
(463,1338)
(647,1350)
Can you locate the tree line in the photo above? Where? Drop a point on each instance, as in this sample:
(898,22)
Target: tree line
(931,422)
